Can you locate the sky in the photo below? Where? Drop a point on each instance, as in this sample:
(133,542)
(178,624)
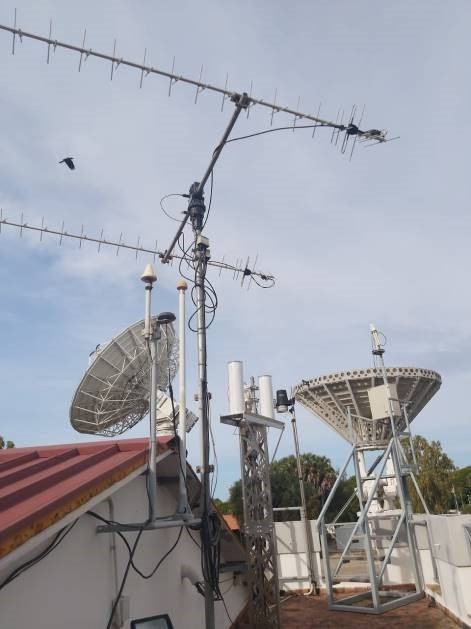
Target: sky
(382,238)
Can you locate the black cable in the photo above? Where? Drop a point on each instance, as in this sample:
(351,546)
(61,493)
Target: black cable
(160,562)
(192,538)
(220,595)
(210,201)
(290,128)
(123,581)
(261,285)
(214,484)
(126,543)
(131,562)
(225,607)
(185,258)
(173,194)
(60,535)
(174,422)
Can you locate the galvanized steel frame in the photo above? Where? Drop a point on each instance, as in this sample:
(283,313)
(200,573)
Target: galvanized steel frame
(258,526)
(401,471)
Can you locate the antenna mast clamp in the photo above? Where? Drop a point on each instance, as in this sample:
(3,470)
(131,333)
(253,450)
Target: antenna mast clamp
(243,100)
(238,419)
(196,207)
(202,240)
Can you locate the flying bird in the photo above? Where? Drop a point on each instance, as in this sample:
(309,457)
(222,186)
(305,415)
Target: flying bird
(69,161)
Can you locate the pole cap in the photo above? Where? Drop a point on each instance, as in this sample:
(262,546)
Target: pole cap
(182,285)
(149,276)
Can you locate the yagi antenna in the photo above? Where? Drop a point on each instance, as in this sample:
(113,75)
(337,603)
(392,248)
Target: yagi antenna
(236,269)
(375,135)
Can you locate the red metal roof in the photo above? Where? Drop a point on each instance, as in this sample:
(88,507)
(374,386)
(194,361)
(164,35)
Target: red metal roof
(39,486)
(231,522)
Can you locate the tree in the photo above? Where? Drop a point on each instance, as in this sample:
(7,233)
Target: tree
(6,444)
(234,503)
(462,485)
(319,477)
(222,506)
(435,476)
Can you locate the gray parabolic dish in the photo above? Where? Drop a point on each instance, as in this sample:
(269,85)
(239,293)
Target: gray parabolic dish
(329,396)
(114,392)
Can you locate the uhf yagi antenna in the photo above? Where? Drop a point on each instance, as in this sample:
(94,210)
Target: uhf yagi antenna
(239,270)
(343,124)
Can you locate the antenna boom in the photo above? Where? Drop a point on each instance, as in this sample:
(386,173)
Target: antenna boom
(219,264)
(378,135)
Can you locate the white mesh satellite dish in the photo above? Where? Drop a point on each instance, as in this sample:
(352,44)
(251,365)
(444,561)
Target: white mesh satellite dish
(114,392)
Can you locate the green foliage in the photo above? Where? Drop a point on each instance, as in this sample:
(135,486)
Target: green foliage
(462,485)
(435,476)
(6,444)
(221,506)
(319,477)
(235,500)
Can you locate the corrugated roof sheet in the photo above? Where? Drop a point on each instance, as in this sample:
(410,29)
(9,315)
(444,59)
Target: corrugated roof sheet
(39,486)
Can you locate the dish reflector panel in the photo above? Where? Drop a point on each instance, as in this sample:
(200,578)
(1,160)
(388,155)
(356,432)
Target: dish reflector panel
(114,392)
(329,396)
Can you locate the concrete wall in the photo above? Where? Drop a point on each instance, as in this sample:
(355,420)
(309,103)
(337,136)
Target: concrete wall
(451,553)
(293,572)
(74,586)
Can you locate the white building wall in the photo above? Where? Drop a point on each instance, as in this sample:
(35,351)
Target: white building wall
(452,552)
(293,570)
(74,586)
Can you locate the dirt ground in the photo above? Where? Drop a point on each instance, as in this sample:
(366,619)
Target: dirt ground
(303,612)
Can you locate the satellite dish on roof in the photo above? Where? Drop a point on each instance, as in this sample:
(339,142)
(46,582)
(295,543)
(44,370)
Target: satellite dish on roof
(113,394)
(329,396)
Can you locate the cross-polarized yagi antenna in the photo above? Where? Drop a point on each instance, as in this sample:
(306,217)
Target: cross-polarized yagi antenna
(350,129)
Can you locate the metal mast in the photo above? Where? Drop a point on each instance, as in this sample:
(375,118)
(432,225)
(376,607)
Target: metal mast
(284,404)
(196,212)
(259,530)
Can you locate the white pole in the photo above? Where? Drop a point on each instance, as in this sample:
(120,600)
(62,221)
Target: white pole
(265,389)
(150,335)
(183,506)
(236,387)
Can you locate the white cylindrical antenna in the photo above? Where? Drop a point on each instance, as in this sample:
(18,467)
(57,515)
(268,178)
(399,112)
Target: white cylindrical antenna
(265,391)
(236,387)
(183,505)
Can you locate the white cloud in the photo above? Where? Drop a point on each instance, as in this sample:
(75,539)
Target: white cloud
(383,238)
